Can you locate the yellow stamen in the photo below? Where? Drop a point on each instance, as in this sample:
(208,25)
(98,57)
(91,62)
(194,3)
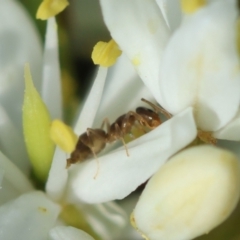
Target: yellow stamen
(190,6)
(106,54)
(50,8)
(63,136)
(36,127)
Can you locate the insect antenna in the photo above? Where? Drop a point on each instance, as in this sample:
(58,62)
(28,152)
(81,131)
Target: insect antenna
(158,108)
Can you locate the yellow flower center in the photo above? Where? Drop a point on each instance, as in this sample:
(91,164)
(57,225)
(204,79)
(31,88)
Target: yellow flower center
(105,54)
(50,8)
(190,6)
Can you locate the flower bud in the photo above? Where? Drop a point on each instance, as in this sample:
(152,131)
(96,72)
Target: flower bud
(191,194)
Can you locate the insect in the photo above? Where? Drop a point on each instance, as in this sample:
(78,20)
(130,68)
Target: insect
(94,141)
(89,144)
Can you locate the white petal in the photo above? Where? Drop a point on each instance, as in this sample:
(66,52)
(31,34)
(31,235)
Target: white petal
(108,220)
(51,85)
(14,181)
(122,92)
(68,233)
(28,217)
(118,174)
(18,45)
(231,131)
(58,175)
(203,71)
(11,142)
(90,107)
(141,32)
(171,11)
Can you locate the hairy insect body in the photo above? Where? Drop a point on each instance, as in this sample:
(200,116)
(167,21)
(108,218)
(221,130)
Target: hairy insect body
(89,143)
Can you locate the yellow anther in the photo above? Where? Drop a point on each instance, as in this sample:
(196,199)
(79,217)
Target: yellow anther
(106,54)
(190,6)
(50,8)
(63,136)
(36,126)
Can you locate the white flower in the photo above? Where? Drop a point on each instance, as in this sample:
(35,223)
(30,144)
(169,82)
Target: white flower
(180,70)
(205,72)
(180,74)
(192,72)
(147,48)
(24,212)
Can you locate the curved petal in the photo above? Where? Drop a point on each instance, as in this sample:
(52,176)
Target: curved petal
(203,71)
(51,84)
(18,45)
(28,217)
(14,181)
(119,174)
(231,131)
(58,175)
(122,92)
(69,233)
(88,113)
(141,32)
(171,11)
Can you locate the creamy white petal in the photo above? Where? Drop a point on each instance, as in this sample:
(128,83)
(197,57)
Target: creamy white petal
(108,220)
(58,175)
(141,32)
(11,142)
(231,131)
(51,84)
(88,113)
(28,217)
(119,174)
(14,181)
(171,11)
(18,45)
(122,92)
(191,194)
(68,233)
(203,71)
